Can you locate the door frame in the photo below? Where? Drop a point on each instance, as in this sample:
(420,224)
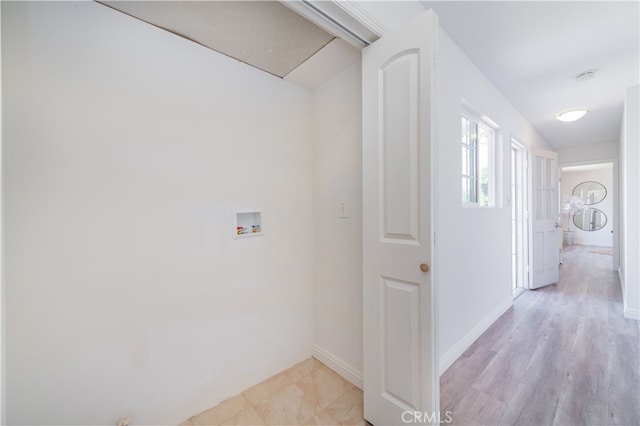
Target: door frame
(360,22)
(615,193)
(522,210)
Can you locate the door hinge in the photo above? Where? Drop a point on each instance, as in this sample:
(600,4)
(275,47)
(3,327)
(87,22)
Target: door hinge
(526,164)
(434,239)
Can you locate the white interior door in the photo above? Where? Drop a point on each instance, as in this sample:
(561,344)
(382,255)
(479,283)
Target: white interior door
(400,378)
(545,257)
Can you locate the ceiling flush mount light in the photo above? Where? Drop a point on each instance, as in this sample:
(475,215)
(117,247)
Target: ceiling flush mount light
(572,115)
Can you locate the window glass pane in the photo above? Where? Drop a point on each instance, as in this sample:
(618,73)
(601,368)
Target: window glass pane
(539,203)
(548,172)
(477,161)
(473,189)
(484,150)
(468,160)
(473,162)
(466,171)
(539,171)
(473,134)
(549,203)
(468,190)
(465,190)
(465,131)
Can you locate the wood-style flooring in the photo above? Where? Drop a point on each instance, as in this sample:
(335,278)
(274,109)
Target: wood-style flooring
(562,355)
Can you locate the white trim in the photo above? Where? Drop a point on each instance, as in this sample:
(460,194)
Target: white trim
(517,292)
(337,19)
(463,344)
(364,17)
(633,314)
(523,245)
(628,313)
(348,372)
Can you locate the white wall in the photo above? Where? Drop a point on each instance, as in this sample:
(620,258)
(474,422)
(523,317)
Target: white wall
(630,203)
(125,151)
(591,153)
(337,156)
(473,244)
(3,417)
(604,236)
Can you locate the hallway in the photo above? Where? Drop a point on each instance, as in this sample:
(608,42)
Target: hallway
(561,355)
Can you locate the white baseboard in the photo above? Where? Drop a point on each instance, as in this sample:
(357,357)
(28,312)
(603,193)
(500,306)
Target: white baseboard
(633,314)
(463,344)
(345,370)
(629,313)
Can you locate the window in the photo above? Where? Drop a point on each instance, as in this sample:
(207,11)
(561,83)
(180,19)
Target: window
(478,139)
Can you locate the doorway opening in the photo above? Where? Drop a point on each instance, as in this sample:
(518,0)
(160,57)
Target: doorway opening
(519,219)
(595,224)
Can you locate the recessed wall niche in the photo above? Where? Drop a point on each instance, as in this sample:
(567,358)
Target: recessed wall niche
(247,223)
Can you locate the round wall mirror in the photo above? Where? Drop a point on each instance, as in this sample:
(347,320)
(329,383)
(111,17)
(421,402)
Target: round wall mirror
(590,192)
(590,219)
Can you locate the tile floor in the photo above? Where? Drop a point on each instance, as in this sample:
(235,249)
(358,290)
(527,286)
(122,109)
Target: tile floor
(308,393)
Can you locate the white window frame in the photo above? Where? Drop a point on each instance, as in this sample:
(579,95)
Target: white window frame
(489,127)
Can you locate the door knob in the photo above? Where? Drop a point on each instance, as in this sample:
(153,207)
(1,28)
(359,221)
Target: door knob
(424,267)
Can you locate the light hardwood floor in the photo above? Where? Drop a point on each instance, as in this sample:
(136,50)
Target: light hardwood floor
(562,355)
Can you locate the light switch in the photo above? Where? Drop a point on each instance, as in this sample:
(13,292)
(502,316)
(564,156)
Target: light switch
(343,212)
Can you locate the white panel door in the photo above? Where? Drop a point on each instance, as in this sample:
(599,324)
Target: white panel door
(545,253)
(400,376)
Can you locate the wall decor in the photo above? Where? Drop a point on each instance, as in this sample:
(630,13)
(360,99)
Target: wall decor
(590,192)
(590,219)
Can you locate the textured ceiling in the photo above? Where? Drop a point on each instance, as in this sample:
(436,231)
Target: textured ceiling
(264,34)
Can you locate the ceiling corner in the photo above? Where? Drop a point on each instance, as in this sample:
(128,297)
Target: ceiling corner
(349,22)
